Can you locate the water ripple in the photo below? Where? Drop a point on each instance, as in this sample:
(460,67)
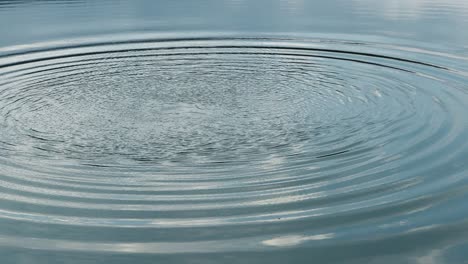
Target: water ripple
(233,144)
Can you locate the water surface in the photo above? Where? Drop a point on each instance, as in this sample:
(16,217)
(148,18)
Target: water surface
(233,131)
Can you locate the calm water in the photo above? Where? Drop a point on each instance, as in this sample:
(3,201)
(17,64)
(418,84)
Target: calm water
(234,131)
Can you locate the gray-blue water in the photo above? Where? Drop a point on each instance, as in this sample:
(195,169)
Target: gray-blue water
(234,131)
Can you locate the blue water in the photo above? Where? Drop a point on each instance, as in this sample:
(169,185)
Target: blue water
(286,131)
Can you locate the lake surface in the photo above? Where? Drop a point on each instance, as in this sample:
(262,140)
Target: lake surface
(234,131)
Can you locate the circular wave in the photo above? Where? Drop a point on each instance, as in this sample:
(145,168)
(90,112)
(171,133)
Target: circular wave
(227,145)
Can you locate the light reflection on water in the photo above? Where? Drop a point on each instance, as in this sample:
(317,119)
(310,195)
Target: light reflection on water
(233,131)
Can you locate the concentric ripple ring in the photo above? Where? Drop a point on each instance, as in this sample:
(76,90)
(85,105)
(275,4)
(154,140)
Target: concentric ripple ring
(233,144)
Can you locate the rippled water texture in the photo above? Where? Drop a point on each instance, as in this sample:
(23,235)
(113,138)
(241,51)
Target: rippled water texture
(232,147)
